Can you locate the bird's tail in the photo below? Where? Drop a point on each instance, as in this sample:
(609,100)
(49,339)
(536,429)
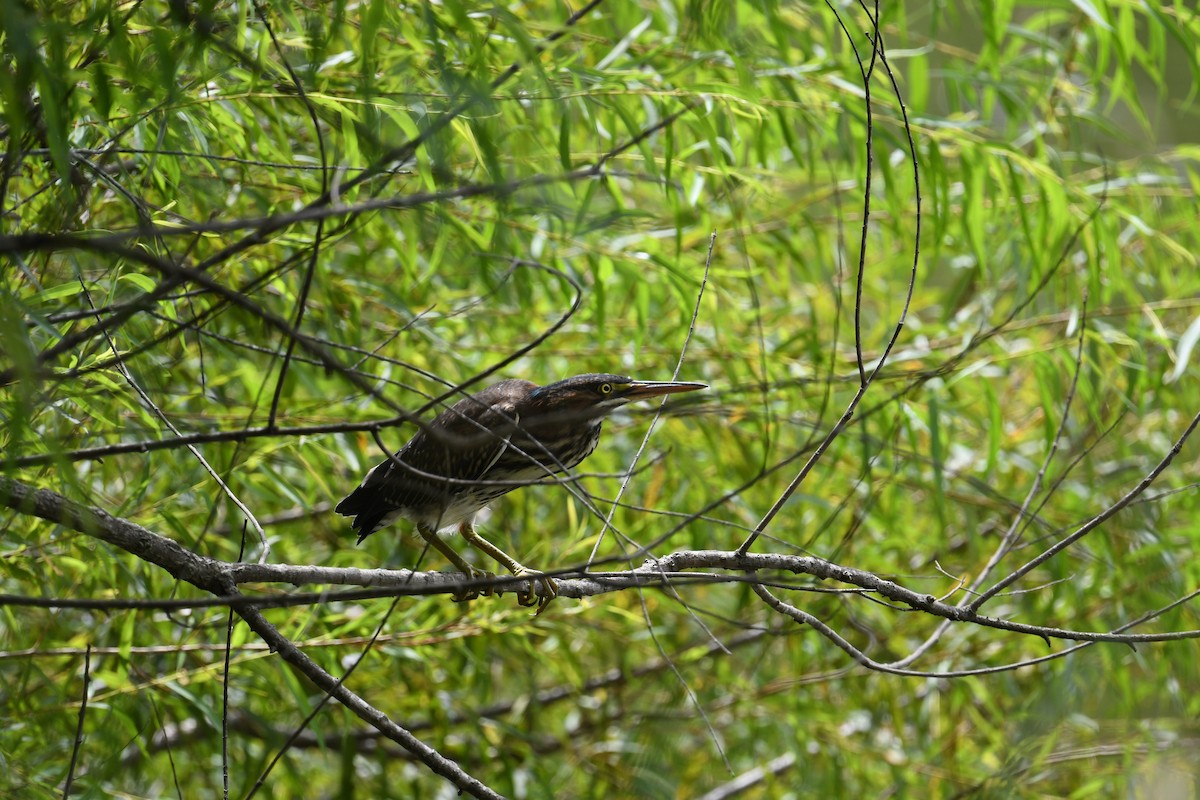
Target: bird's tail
(368,513)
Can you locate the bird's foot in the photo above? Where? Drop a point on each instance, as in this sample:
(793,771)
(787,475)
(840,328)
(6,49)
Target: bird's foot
(541,589)
(470,593)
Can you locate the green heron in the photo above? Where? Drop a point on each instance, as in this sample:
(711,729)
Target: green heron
(484,446)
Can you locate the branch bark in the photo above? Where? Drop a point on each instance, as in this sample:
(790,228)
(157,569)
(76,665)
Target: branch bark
(215,576)
(223,579)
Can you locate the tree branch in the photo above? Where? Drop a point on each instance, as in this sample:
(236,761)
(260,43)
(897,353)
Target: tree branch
(213,576)
(223,578)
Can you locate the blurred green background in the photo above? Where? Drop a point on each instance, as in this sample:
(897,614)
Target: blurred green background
(1051,332)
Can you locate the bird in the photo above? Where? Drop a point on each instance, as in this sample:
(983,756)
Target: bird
(484,446)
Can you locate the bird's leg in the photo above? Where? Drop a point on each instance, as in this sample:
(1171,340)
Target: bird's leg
(542,589)
(429,534)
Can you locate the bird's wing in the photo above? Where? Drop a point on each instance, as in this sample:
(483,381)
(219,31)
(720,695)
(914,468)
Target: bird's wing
(508,421)
(465,442)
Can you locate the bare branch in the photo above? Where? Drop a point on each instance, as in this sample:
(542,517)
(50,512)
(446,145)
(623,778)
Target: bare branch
(211,575)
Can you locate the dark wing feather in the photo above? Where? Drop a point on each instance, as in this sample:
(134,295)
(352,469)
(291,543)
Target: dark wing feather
(463,442)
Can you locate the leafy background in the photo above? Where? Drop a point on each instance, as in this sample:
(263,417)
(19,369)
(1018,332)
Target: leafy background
(1046,365)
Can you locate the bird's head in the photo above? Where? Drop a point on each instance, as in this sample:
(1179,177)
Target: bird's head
(597,394)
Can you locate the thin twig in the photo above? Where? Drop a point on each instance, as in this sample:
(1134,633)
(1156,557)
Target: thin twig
(1091,524)
(841,424)
(225,685)
(315,249)
(303,726)
(751,778)
(213,576)
(1022,517)
(83,704)
(158,412)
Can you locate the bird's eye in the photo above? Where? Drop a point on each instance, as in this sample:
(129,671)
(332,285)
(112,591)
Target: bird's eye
(606,388)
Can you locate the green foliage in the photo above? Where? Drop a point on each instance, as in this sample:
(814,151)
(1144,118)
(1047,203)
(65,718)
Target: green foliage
(1052,322)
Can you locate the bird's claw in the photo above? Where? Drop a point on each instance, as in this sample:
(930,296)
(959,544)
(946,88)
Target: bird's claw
(468,593)
(539,592)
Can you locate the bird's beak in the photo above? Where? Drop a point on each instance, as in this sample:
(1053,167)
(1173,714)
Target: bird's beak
(640,389)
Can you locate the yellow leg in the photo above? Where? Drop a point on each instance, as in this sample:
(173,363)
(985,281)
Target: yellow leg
(541,589)
(473,573)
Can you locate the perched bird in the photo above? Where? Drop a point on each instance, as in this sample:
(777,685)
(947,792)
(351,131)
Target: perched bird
(484,446)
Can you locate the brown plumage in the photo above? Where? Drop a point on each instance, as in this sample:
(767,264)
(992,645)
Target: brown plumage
(484,446)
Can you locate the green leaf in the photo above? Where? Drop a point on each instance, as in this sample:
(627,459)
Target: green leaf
(143,282)
(1183,352)
(1093,13)
(564,142)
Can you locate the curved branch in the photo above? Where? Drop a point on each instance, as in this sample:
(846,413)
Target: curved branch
(222,578)
(213,576)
